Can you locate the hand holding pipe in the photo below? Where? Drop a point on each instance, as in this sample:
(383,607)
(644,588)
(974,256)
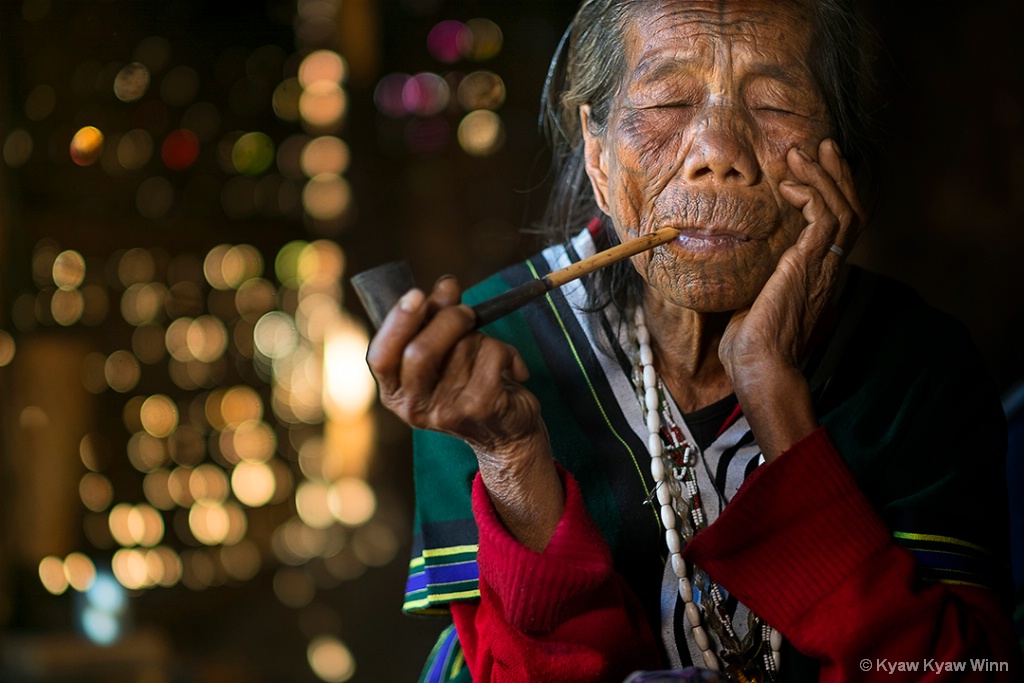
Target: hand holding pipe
(380,288)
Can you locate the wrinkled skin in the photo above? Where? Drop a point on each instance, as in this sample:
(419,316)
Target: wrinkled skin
(718,128)
(714,97)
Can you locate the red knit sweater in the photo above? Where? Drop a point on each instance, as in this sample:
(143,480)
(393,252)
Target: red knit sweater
(799,544)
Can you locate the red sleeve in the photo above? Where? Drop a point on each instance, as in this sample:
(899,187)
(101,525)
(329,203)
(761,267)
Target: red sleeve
(802,546)
(563,614)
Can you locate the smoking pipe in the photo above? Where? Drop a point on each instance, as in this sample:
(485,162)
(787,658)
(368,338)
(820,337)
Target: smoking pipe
(380,288)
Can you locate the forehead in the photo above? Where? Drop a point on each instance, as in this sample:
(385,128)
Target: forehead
(776,32)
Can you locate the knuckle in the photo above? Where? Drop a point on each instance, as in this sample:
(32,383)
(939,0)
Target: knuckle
(415,354)
(374,360)
(478,410)
(414,416)
(447,418)
(498,349)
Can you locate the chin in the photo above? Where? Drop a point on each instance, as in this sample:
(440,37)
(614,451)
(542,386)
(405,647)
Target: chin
(704,293)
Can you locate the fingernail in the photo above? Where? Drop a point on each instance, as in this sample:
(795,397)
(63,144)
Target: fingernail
(835,148)
(411,300)
(787,183)
(446,276)
(802,153)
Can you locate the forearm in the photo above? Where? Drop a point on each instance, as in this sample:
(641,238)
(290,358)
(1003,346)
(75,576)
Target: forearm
(776,401)
(522,483)
(563,614)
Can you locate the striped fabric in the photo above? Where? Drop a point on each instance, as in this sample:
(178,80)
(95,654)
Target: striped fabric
(446,663)
(883,387)
(441,575)
(944,559)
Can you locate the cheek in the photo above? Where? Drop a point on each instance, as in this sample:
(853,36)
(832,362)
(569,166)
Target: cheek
(778,133)
(645,156)
(648,143)
(650,136)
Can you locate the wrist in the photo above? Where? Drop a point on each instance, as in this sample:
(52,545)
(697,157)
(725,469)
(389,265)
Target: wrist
(525,489)
(777,404)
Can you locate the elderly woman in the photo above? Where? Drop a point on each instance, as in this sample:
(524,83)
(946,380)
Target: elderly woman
(733,452)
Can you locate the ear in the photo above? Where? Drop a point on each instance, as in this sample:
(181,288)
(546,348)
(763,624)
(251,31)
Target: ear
(595,158)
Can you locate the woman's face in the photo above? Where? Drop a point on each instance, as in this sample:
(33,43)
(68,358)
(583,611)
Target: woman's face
(714,94)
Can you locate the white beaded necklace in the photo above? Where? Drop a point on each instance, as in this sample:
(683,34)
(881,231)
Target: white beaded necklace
(680,460)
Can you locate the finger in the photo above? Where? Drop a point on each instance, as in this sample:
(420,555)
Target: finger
(831,159)
(814,174)
(518,372)
(427,353)
(446,292)
(822,225)
(487,388)
(472,390)
(402,323)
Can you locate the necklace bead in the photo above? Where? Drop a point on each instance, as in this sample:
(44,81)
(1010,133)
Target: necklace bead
(701,637)
(668,517)
(673,541)
(657,469)
(679,567)
(654,445)
(664,494)
(652,398)
(685,590)
(653,423)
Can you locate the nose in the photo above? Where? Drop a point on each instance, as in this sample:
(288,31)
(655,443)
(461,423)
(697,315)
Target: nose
(721,150)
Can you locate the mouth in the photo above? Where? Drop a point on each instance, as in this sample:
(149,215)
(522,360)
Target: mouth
(705,240)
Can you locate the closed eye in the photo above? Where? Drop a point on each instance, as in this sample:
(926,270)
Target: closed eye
(779,111)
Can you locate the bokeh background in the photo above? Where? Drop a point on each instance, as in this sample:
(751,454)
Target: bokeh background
(196,483)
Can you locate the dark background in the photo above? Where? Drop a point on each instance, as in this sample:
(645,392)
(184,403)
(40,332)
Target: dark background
(949,219)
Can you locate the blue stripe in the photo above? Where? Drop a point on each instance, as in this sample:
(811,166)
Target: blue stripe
(440,664)
(441,575)
(938,559)
(416,582)
(452,573)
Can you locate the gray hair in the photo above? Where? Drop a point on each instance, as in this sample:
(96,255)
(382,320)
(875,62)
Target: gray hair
(588,67)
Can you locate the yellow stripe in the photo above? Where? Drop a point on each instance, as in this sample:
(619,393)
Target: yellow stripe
(454,550)
(431,600)
(459,595)
(938,539)
(456,667)
(949,569)
(593,392)
(963,583)
(416,604)
(416,562)
(426,611)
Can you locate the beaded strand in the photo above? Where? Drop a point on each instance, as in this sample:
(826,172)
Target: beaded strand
(669,490)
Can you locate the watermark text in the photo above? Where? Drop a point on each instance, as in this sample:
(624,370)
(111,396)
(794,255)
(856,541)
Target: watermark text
(936,666)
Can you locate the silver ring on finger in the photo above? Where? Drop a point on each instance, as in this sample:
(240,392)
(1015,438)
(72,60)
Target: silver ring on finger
(837,250)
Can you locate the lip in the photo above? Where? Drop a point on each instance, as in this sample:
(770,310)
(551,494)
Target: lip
(709,240)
